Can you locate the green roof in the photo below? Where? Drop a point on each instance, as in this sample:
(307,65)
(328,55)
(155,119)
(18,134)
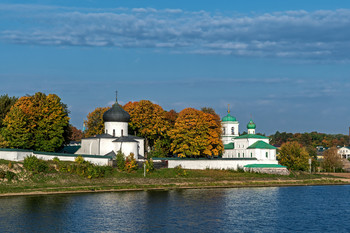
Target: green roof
(229,118)
(229,146)
(251,125)
(264,165)
(252,136)
(261,145)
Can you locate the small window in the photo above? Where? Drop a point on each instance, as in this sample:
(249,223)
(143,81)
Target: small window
(106,131)
(223,130)
(113,132)
(243,155)
(251,155)
(122,133)
(267,154)
(233,130)
(239,155)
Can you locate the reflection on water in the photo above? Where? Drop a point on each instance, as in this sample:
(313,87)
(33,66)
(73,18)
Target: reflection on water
(288,209)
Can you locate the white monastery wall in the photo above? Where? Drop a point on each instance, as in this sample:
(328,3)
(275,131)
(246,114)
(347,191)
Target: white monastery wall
(20,156)
(215,163)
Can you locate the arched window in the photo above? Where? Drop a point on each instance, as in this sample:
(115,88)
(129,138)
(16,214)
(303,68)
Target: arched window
(122,133)
(239,155)
(223,130)
(232,130)
(113,132)
(267,154)
(106,131)
(251,155)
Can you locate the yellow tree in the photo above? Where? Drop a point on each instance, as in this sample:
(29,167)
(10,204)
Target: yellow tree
(332,160)
(148,120)
(38,122)
(94,123)
(294,156)
(195,134)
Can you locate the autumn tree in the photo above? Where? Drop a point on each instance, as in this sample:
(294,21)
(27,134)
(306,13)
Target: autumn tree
(6,103)
(148,120)
(196,134)
(332,160)
(294,156)
(76,135)
(94,123)
(39,122)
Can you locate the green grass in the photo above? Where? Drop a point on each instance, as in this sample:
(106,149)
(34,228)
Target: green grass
(54,181)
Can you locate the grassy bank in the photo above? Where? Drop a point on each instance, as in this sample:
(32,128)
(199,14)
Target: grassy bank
(55,181)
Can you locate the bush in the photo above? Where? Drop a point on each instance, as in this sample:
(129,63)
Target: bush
(130,163)
(179,171)
(2,174)
(149,165)
(120,160)
(79,159)
(10,165)
(56,160)
(10,175)
(86,169)
(33,164)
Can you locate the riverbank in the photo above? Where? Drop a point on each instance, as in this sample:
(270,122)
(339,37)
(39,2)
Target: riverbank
(160,179)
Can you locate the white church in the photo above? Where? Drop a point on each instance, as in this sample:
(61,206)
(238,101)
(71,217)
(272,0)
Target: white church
(248,145)
(115,137)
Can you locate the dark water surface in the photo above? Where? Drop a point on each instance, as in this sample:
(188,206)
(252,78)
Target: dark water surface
(280,209)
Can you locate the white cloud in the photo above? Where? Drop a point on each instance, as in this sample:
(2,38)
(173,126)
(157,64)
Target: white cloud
(321,35)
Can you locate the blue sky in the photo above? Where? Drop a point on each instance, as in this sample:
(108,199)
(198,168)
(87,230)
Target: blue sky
(286,63)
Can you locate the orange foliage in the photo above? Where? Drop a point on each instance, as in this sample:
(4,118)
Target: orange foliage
(147,119)
(94,123)
(196,133)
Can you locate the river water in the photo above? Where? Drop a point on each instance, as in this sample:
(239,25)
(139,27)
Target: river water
(276,209)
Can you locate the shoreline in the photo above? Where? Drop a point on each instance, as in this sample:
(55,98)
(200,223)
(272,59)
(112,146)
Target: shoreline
(171,186)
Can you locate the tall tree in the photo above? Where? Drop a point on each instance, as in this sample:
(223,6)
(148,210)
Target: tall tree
(77,134)
(6,103)
(196,134)
(38,122)
(94,123)
(332,160)
(294,156)
(148,120)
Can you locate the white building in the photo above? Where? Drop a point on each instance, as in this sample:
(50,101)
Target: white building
(249,145)
(115,138)
(344,152)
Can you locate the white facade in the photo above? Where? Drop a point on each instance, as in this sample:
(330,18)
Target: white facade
(344,152)
(246,146)
(116,129)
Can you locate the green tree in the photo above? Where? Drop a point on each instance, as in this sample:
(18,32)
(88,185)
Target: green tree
(6,103)
(39,122)
(331,160)
(294,156)
(94,123)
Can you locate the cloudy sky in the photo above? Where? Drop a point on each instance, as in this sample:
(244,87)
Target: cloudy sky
(285,63)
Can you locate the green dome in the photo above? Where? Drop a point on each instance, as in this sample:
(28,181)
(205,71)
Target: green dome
(251,125)
(229,118)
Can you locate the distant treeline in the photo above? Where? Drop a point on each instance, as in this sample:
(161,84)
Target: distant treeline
(310,139)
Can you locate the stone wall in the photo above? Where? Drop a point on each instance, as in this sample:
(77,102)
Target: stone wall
(268,170)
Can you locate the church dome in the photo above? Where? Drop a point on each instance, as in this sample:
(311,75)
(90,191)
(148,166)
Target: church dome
(251,125)
(116,114)
(229,118)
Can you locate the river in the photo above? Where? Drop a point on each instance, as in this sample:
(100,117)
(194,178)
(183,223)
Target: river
(273,209)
